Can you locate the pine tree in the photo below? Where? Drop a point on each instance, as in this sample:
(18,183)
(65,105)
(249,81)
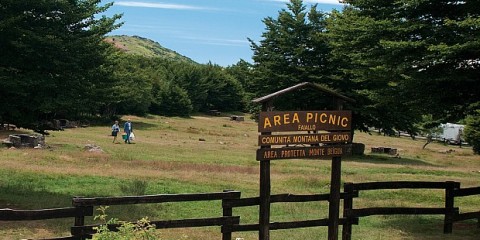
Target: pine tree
(54,61)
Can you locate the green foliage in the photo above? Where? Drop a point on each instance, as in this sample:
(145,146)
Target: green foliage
(472,131)
(133,93)
(171,100)
(53,60)
(141,230)
(172,88)
(408,58)
(243,72)
(292,50)
(224,92)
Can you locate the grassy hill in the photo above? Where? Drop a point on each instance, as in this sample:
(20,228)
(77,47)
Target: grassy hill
(144,47)
(168,157)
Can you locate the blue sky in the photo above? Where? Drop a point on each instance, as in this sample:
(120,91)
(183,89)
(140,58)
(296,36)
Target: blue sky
(203,30)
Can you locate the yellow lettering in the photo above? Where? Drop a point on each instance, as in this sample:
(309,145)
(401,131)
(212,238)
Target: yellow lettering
(323,118)
(295,118)
(267,123)
(309,116)
(306,127)
(286,119)
(325,138)
(276,120)
(344,122)
(332,119)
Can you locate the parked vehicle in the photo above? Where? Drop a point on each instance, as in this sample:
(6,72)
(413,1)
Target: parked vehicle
(452,133)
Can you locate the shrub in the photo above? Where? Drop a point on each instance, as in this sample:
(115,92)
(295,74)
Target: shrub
(135,188)
(141,230)
(472,131)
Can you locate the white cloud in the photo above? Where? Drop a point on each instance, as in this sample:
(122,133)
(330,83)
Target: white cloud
(160,5)
(218,41)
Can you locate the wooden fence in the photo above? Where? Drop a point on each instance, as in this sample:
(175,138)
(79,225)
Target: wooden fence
(83,207)
(450,212)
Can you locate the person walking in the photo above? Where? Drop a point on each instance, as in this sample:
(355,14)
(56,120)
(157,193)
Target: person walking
(128,129)
(115,130)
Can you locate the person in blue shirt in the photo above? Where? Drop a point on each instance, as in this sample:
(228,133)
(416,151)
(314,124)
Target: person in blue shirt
(115,130)
(128,129)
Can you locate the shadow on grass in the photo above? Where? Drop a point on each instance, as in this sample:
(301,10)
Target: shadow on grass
(429,227)
(387,159)
(5,133)
(25,196)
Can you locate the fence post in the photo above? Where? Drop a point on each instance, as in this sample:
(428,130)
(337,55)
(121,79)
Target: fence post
(347,207)
(228,212)
(79,220)
(449,205)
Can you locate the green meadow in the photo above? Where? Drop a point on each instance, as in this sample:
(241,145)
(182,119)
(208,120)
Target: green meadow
(211,154)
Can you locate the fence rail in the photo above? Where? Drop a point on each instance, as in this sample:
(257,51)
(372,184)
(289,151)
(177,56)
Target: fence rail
(42,214)
(83,207)
(451,213)
(470,215)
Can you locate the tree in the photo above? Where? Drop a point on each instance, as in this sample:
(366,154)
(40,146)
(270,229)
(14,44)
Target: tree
(472,131)
(224,92)
(54,60)
(293,49)
(409,58)
(171,100)
(135,80)
(429,128)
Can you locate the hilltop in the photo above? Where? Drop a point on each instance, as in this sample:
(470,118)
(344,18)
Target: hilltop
(145,47)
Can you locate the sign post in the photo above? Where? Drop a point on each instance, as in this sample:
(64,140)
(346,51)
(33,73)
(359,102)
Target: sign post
(306,143)
(334,201)
(265,189)
(313,145)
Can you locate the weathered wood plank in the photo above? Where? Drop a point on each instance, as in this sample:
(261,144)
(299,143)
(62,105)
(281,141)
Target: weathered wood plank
(398,185)
(277,198)
(26,215)
(466,192)
(244,202)
(363,212)
(161,198)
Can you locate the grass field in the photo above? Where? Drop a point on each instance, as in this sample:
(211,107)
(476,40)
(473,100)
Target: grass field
(168,157)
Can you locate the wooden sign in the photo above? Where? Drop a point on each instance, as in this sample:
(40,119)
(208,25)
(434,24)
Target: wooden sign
(320,152)
(276,121)
(333,137)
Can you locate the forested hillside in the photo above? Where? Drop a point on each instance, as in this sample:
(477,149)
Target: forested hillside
(145,47)
(402,63)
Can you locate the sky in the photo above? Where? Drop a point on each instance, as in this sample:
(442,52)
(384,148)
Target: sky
(215,31)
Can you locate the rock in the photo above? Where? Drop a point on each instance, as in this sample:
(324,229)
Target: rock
(93,148)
